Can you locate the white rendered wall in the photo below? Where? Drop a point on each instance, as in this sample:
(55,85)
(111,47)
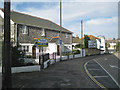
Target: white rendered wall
(52,48)
(69,46)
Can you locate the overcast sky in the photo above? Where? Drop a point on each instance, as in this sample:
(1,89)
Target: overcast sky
(99,18)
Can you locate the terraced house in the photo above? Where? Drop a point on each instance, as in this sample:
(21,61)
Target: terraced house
(25,28)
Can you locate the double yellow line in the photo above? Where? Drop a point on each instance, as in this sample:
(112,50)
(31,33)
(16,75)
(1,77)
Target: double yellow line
(99,84)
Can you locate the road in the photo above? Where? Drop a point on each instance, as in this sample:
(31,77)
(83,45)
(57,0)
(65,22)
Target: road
(65,74)
(71,74)
(110,63)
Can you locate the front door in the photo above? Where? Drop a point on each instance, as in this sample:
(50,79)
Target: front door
(34,51)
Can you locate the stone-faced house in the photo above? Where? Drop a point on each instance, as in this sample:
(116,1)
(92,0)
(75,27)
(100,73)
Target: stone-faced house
(24,28)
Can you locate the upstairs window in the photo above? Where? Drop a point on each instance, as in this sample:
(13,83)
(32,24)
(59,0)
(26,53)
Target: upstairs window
(24,29)
(66,35)
(43,32)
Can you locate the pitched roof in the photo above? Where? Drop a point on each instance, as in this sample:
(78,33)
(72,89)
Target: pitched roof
(111,41)
(92,37)
(54,40)
(29,20)
(76,40)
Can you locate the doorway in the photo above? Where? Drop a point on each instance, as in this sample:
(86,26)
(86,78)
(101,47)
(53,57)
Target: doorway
(58,50)
(34,52)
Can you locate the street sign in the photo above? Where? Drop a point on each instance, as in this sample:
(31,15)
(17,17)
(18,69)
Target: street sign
(60,41)
(43,42)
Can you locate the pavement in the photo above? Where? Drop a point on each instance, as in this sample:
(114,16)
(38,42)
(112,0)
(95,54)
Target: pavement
(117,55)
(65,74)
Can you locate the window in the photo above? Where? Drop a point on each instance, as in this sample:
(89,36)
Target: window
(24,30)
(66,35)
(43,32)
(25,48)
(101,46)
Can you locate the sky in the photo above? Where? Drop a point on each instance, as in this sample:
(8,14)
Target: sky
(99,18)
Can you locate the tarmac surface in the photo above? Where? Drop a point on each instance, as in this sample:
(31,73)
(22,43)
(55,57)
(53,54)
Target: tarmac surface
(100,76)
(65,74)
(111,65)
(71,74)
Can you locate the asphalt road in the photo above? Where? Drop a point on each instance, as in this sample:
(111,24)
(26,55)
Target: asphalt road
(111,64)
(72,74)
(65,74)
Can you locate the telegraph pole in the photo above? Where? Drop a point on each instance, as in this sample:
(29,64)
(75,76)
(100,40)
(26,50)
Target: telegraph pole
(82,36)
(60,30)
(6,69)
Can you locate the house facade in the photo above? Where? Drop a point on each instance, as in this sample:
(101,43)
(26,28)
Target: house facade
(111,45)
(97,42)
(25,28)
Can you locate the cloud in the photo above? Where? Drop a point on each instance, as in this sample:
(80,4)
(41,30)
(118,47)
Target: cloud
(107,27)
(47,13)
(99,18)
(102,21)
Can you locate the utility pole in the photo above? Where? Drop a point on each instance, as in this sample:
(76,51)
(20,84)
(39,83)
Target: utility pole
(82,36)
(60,30)
(6,69)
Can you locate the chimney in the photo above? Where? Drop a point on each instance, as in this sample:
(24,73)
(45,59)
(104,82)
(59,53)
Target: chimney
(77,36)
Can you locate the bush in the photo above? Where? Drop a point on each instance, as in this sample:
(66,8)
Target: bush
(76,51)
(29,56)
(15,55)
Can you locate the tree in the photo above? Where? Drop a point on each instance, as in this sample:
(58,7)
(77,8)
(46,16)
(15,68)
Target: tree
(118,46)
(113,38)
(107,45)
(85,41)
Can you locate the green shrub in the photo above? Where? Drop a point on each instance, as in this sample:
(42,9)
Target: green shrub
(76,51)
(29,56)
(15,55)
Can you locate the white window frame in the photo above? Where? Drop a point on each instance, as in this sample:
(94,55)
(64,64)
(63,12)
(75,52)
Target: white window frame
(25,48)
(24,29)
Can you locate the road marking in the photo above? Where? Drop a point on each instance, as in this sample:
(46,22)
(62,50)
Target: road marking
(94,69)
(99,84)
(100,76)
(114,66)
(109,74)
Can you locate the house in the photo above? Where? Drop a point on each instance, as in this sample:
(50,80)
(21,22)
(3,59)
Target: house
(97,42)
(26,28)
(111,45)
(75,41)
(101,44)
